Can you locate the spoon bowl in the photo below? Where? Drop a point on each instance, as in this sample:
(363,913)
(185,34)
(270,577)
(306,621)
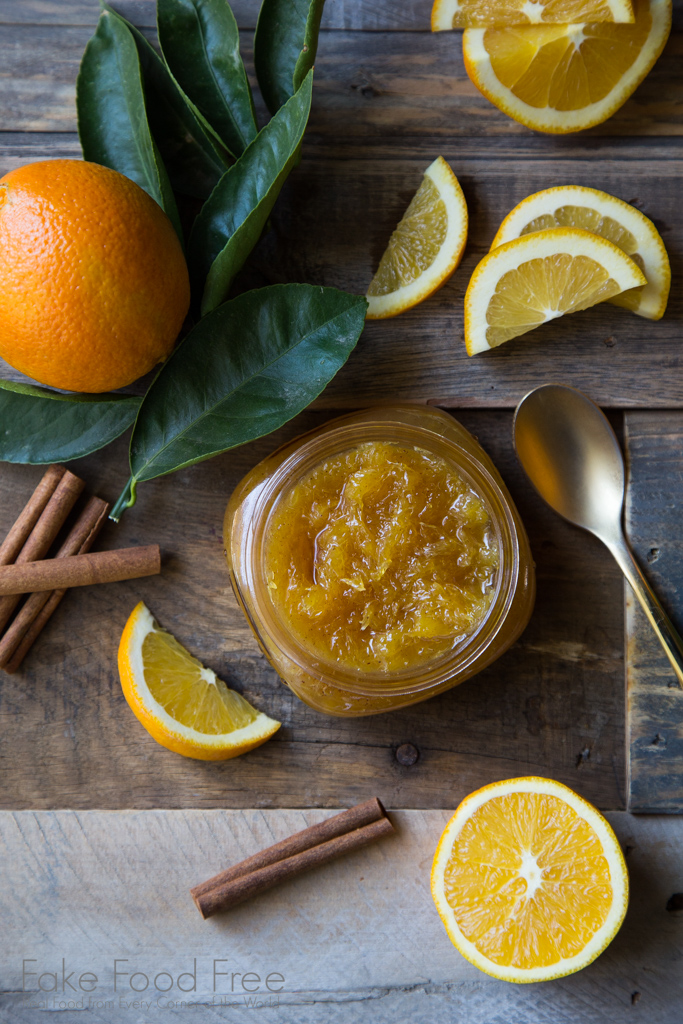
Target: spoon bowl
(572,457)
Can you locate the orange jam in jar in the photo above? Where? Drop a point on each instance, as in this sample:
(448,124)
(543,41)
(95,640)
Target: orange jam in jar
(379,560)
(381,557)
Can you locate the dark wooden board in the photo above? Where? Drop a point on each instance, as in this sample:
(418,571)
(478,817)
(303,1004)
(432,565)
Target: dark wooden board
(337,212)
(386,103)
(367,15)
(370,15)
(553,705)
(654,698)
(389,97)
(368,84)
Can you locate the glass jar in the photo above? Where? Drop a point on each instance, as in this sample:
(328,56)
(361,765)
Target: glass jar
(332,687)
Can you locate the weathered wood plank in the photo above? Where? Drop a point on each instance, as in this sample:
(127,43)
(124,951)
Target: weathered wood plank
(369,85)
(337,212)
(367,15)
(370,15)
(654,698)
(358,940)
(553,705)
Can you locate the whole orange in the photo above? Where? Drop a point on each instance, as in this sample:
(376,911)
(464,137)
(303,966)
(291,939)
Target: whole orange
(93,282)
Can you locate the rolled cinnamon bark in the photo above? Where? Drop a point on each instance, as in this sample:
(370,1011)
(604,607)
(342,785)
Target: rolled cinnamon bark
(353,818)
(43,534)
(33,615)
(29,515)
(80,570)
(231,893)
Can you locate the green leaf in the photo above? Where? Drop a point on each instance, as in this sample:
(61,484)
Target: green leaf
(285,45)
(194,161)
(245,369)
(200,41)
(39,426)
(232,219)
(112,120)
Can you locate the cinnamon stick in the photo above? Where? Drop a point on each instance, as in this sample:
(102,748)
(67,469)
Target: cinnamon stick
(43,533)
(80,570)
(221,891)
(33,615)
(231,893)
(28,517)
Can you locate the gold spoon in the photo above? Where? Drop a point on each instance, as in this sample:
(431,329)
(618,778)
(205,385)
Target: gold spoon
(570,453)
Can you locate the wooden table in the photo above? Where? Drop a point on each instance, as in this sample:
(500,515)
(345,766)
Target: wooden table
(388,98)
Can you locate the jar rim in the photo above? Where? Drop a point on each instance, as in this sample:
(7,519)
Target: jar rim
(334,440)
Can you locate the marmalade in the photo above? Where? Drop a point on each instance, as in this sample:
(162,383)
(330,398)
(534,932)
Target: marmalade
(381,558)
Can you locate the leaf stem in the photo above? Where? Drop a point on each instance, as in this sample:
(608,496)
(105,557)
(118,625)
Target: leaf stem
(125,500)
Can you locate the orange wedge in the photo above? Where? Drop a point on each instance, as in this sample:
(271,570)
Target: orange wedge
(563,78)
(447,14)
(575,206)
(425,248)
(182,704)
(529,880)
(541,276)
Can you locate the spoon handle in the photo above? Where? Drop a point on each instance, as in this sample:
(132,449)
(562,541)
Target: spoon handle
(667,633)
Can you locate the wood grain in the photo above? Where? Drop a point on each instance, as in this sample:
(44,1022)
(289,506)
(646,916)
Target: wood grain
(654,698)
(356,941)
(553,705)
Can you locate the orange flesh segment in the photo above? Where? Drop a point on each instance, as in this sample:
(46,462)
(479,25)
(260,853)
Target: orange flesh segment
(524,297)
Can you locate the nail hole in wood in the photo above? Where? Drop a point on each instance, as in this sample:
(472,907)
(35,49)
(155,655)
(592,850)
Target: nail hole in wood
(675,903)
(407,755)
(583,756)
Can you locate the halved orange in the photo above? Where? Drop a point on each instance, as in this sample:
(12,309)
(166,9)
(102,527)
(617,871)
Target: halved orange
(563,78)
(447,14)
(529,880)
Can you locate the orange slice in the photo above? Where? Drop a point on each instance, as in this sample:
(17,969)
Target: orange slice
(539,277)
(182,704)
(562,78)
(425,248)
(447,14)
(529,880)
(578,207)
